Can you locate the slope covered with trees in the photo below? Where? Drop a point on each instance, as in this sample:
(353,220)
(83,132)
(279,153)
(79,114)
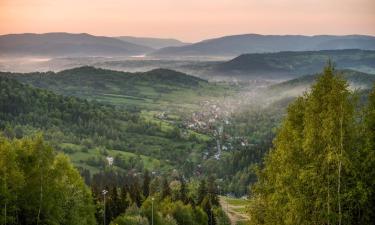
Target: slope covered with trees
(89,132)
(40,186)
(321,169)
(158,89)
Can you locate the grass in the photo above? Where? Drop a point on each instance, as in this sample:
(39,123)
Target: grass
(236,201)
(236,209)
(79,158)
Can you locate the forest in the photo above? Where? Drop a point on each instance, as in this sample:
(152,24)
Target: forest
(320,169)
(68,159)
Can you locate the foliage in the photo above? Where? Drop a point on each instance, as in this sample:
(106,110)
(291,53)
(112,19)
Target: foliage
(40,187)
(316,172)
(89,131)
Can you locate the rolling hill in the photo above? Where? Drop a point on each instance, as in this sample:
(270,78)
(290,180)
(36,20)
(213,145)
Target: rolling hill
(89,131)
(254,43)
(156,89)
(155,43)
(66,44)
(291,64)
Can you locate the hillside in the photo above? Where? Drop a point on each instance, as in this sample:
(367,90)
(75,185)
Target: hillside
(66,44)
(89,132)
(291,64)
(255,43)
(155,43)
(158,89)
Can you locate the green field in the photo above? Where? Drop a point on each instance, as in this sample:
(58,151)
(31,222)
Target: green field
(236,209)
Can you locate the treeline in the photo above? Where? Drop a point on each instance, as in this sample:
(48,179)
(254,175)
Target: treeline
(143,198)
(321,169)
(39,186)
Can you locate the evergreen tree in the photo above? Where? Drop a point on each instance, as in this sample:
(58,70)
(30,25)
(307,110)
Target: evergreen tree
(202,191)
(135,193)
(207,207)
(183,191)
(166,190)
(146,184)
(212,191)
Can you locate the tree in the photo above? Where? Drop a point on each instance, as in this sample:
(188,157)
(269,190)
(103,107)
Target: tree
(212,191)
(166,190)
(314,173)
(202,191)
(12,181)
(53,192)
(207,207)
(132,216)
(146,184)
(135,192)
(183,191)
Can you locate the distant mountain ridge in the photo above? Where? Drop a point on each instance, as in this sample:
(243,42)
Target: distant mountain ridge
(255,43)
(66,44)
(155,43)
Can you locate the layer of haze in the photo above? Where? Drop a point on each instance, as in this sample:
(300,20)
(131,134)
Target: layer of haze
(188,20)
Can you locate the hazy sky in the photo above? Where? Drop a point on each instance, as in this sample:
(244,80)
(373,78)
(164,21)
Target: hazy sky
(188,20)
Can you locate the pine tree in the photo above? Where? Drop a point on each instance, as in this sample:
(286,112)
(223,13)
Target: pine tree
(183,191)
(207,207)
(202,191)
(212,191)
(135,192)
(166,190)
(146,184)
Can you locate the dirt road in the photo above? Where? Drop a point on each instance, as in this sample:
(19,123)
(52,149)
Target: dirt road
(235,213)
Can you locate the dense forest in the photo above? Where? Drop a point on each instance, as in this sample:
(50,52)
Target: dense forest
(41,186)
(91,128)
(321,167)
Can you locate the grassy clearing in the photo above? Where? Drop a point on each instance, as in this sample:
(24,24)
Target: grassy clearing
(236,201)
(79,158)
(235,209)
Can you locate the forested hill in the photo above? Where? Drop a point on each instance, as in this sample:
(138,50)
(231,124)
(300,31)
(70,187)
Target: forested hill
(142,89)
(92,76)
(89,131)
(292,64)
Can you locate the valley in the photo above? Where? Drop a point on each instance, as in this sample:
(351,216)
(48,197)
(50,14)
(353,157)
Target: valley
(118,119)
(175,112)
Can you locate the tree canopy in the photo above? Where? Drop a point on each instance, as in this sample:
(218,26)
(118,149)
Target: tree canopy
(321,168)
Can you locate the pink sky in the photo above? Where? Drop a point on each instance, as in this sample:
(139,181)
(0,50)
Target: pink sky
(188,20)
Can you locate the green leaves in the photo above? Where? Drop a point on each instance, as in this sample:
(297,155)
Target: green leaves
(39,186)
(315,173)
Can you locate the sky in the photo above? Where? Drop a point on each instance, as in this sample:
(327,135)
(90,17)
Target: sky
(188,20)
